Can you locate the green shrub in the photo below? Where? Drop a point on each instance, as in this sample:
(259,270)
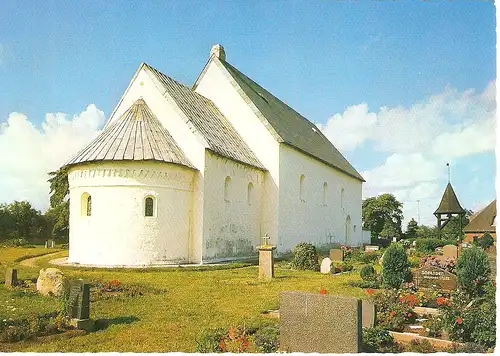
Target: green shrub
(378,340)
(267,339)
(467,348)
(473,270)
(429,245)
(420,346)
(370,257)
(368,273)
(395,267)
(374,284)
(305,257)
(347,266)
(486,241)
(208,341)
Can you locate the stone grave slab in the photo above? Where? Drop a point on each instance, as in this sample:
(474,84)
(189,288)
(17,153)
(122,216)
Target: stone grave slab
(369,315)
(371,248)
(326,266)
(320,323)
(337,255)
(450,251)
(79,300)
(10,277)
(434,277)
(266,261)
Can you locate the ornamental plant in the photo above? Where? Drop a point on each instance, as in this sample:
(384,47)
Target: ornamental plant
(367,273)
(485,241)
(267,339)
(305,257)
(473,270)
(449,264)
(392,314)
(395,266)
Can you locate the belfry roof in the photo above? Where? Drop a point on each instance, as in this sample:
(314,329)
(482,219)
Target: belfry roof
(449,203)
(136,136)
(484,220)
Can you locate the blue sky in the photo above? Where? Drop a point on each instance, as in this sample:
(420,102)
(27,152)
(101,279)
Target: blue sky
(322,58)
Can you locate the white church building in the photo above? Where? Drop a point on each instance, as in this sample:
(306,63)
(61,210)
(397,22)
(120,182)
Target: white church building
(199,174)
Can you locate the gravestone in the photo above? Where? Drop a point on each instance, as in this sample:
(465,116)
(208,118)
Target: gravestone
(369,314)
(46,244)
(326,266)
(337,255)
(434,277)
(371,248)
(78,306)
(266,261)
(320,323)
(10,277)
(450,251)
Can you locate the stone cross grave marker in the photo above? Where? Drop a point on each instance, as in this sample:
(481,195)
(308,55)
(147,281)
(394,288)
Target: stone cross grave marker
(10,277)
(450,251)
(79,300)
(434,277)
(337,255)
(326,266)
(320,323)
(266,261)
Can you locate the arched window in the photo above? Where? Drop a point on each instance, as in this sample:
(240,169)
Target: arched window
(342,196)
(250,193)
(325,192)
(301,192)
(227,184)
(149,206)
(86,205)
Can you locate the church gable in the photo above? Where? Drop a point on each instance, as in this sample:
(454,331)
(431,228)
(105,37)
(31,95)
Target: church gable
(285,124)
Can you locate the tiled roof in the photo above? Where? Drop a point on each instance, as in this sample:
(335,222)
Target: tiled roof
(136,136)
(484,220)
(207,119)
(287,125)
(449,203)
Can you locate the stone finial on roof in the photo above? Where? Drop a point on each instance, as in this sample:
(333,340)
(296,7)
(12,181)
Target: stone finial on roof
(218,51)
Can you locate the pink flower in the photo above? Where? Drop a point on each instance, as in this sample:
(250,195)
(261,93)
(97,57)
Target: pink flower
(410,315)
(459,320)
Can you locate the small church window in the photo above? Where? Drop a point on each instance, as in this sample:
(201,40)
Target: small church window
(86,208)
(301,192)
(250,193)
(227,184)
(149,206)
(325,192)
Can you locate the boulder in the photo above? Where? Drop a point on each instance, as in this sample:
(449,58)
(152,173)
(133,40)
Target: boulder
(50,282)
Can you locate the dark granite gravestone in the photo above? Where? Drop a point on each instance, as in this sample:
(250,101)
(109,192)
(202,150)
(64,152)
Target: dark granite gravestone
(434,277)
(79,300)
(10,277)
(320,323)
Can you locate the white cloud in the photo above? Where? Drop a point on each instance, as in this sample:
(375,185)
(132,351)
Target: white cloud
(29,153)
(419,141)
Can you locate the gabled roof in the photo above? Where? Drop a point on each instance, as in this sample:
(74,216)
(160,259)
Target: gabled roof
(136,136)
(449,203)
(285,124)
(484,220)
(207,119)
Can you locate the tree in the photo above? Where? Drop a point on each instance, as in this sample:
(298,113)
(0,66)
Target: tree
(58,214)
(411,229)
(382,214)
(424,232)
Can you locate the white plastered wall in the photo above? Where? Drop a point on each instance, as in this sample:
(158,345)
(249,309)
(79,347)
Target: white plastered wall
(118,233)
(315,219)
(145,86)
(215,84)
(232,220)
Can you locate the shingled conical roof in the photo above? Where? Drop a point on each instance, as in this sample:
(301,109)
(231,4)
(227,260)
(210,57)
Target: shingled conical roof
(449,203)
(136,136)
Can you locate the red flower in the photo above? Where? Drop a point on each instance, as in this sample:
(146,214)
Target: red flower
(323,291)
(222,346)
(370,291)
(115,283)
(459,320)
(340,268)
(410,315)
(392,313)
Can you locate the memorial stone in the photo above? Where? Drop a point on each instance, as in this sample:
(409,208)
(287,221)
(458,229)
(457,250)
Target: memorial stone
(369,314)
(337,255)
(10,277)
(450,251)
(326,266)
(266,261)
(320,323)
(371,248)
(79,300)
(434,277)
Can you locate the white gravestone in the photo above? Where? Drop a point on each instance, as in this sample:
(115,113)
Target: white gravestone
(326,265)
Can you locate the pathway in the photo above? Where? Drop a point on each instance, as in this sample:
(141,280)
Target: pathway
(31,262)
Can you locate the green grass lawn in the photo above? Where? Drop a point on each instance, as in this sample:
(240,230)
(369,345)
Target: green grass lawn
(176,306)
